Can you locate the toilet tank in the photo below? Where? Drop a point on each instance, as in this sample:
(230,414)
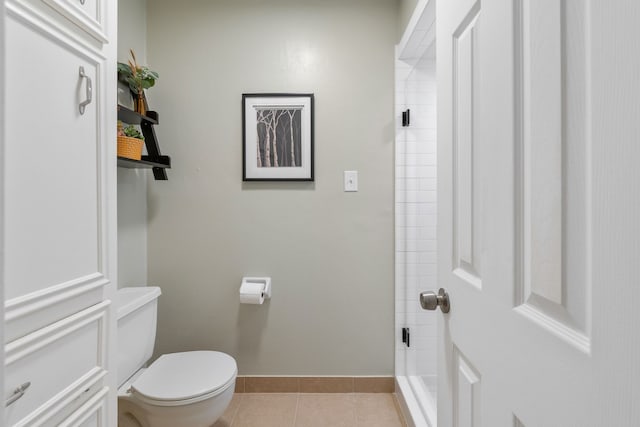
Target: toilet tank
(137,310)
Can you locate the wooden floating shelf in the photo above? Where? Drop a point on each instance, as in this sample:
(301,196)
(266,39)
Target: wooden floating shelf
(134,118)
(145,163)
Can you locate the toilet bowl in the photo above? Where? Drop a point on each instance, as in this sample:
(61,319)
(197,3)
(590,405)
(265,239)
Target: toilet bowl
(189,389)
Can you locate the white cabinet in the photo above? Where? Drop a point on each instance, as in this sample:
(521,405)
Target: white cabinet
(58,198)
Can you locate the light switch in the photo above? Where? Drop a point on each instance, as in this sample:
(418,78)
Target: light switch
(350,180)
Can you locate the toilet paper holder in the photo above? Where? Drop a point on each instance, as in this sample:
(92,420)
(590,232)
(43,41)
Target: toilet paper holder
(265,281)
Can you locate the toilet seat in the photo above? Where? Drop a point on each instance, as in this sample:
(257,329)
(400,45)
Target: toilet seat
(184,378)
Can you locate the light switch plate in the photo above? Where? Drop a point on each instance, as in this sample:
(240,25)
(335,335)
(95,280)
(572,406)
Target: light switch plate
(350,180)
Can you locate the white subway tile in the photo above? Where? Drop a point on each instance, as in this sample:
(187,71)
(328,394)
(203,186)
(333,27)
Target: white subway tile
(427,184)
(425,208)
(427,257)
(416,213)
(425,270)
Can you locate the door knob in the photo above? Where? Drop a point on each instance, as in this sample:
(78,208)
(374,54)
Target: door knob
(430,300)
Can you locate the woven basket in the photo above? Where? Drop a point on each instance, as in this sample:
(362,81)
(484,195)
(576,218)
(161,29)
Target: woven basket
(131,148)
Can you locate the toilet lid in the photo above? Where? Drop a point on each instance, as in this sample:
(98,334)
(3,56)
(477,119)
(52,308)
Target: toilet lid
(182,376)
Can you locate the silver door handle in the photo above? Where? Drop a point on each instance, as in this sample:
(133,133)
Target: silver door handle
(430,300)
(17,393)
(89,92)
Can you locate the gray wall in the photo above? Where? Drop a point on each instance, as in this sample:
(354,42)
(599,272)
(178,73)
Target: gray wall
(132,29)
(132,183)
(405,10)
(330,253)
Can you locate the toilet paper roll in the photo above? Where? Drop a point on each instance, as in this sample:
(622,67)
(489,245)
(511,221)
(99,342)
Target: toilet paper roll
(251,299)
(251,293)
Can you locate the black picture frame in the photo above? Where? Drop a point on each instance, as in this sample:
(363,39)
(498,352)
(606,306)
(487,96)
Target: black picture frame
(278,137)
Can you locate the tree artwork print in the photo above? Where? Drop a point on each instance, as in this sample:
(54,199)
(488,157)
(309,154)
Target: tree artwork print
(279,138)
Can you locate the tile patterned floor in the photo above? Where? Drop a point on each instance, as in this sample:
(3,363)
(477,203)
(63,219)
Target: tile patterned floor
(312,410)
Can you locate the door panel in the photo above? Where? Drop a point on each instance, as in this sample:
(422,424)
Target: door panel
(41,358)
(541,106)
(466,240)
(91,414)
(467,392)
(552,227)
(89,15)
(46,202)
(54,244)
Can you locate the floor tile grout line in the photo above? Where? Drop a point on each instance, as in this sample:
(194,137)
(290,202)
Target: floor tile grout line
(235,415)
(233,418)
(295,413)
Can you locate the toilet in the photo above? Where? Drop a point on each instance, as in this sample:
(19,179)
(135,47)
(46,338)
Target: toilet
(188,389)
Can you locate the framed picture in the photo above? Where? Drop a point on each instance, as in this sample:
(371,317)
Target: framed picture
(124,96)
(277,137)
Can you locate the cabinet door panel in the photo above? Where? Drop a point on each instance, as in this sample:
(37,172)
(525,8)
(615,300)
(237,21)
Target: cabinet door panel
(88,15)
(52,178)
(60,362)
(91,414)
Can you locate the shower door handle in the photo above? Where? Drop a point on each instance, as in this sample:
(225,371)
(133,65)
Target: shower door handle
(430,300)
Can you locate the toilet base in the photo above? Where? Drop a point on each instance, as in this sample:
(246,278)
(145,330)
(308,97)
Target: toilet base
(134,413)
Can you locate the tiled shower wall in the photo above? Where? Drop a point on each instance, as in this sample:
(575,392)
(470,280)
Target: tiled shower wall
(415,207)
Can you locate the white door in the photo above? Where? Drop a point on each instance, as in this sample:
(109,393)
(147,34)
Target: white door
(2,62)
(539,212)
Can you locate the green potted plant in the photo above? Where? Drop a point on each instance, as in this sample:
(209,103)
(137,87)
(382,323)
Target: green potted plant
(130,142)
(139,78)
